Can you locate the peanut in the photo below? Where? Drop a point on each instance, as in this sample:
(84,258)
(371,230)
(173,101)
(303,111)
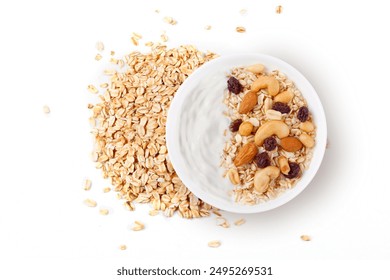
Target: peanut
(256,68)
(263,177)
(285,97)
(283,164)
(307,126)
(233,176)
(307,140)
(245,128)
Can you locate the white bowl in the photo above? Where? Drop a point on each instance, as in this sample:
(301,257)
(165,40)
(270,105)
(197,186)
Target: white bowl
(196,123)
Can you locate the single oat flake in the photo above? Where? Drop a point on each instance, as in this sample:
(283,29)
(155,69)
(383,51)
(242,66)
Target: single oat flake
(240,29)
(305,238)
(92,89)
(103,212)
(279,9)
(87,185)
(90,202)
(122,247)
(46,109)
(214,244)
(170,20)
(100,46)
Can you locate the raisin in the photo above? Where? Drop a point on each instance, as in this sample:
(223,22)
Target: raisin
(234,85)
(303,114)
(294,170)
(235,125)
(262,160)
(269,143)
(281,107)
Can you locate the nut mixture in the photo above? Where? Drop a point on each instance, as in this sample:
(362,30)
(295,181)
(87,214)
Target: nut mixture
(129,129)
(271,134)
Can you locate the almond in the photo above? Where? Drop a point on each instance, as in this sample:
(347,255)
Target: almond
(248,102)
(291,144)
(245,154)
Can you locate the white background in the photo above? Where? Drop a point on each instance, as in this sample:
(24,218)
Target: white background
(47,54)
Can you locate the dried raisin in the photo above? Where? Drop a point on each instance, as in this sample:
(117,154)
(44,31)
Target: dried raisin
(262,160)
(295,170)
(303,114)
(269,143)
(235,125)
(234,85)
(281,107)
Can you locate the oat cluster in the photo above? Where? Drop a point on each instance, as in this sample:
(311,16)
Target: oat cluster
(129,129)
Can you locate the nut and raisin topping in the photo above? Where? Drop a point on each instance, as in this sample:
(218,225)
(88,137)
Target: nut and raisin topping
(234,85)
(270,144)
(273,134)
(235,125)
(281,107)
(262,160)
(294,172)
(303,114)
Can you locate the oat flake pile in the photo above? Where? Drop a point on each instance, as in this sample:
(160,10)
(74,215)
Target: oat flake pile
(129,129)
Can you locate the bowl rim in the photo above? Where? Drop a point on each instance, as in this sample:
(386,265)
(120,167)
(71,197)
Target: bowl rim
(175,157)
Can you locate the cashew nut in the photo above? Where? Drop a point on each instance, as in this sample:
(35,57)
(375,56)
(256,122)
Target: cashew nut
(278,128)
(283,164)
(307,140)
(264,176)
(285,97)
(268,82)
(256,69)
(307,126)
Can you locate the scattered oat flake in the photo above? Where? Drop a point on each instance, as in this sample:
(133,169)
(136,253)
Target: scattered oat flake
(243,12)
(103,212)
(100,46)
(138,226)
(149,44)
(46,109)
(104,85)
(240,29)
(153,212)
(164,37)
(279,9)
(207,27)
(216,212)
(214,244)
(122,247)
(239,222)
(157,11)
(129,205)
(98,57)
(92,89)
(109,72)
(90,202)
(87,184)
(305,238)
(137,35)
(134,41)
(106,190)
(170,20)
(221,221)
(112,52)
